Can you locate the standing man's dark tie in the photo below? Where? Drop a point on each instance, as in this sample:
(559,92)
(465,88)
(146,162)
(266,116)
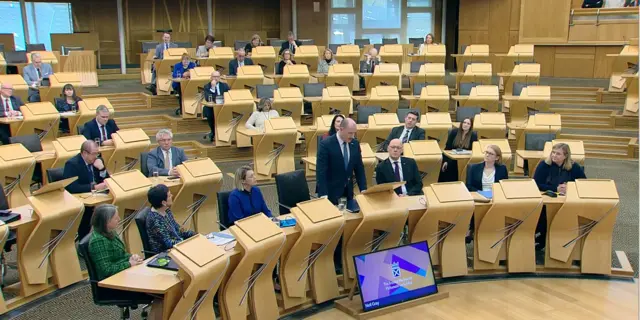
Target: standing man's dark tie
(345,154)
(90,168)
(396,170)
(103,133)
(6,107)
(39,73)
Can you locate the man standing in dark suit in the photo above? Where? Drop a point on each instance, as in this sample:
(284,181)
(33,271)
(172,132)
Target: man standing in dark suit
(291,44)
(165,158)
(397,168)
(10,108)
(239,61)
(101,127)
(406,133)
(338,159)
(91,173)
(213,92)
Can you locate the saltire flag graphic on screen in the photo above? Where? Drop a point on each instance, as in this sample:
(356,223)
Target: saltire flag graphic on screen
(395,275)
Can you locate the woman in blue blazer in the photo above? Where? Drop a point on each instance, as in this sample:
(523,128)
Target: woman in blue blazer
(481,176)
(246,199)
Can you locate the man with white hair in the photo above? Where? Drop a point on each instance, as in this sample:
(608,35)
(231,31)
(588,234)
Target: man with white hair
(10,108)
(368,65)
(239,61)
(165,158)
(34,73)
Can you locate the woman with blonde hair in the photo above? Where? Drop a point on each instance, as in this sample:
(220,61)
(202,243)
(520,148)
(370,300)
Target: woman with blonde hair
(483,175)
(263,113)
(246,199)
(326,61)
(255,42)
(287,59)
(557,169)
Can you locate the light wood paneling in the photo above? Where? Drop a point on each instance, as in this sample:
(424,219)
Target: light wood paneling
(617,31)
(515,15)
(574,62)
(582,32)
(472,37)
(545,56)
(603,64)
(8,41)
(544,21)
(499,24)
(313,25)
(473,15)
(591,50)
(285,18)
(513,38)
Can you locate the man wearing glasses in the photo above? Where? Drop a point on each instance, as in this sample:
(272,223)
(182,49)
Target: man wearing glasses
(398,168)
(165,158)
(239,61)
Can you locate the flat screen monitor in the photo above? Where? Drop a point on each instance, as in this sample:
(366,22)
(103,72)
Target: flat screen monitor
(395,275)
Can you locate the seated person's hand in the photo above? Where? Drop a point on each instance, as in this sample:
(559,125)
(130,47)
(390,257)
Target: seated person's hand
(174,172)
(135,260)
(14,113)
(562,189)
(186,75)
(444,166)
(100,186)
(98,164)
(107,142)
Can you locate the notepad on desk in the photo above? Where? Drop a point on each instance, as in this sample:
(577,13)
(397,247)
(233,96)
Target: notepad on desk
(460,151)
(486,194)
(220,238)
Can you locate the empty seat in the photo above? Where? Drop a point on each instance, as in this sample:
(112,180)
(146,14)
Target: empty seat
(389,40)
(292,188)
(313,89)
(517,88)
(361,42)
(536,141)
(184,44)
(55,174)
(276,42)
(147,46)
(416,42)
(265,90)
(467,112)
(334,47)
(365,111)
(465,88)
(223,209)
(15,56)
(307,42)
(415,66)
(36,47)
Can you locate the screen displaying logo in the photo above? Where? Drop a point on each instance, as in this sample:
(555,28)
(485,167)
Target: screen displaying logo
(395,275)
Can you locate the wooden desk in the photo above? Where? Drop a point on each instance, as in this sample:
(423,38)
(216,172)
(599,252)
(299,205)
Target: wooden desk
(532,157)
(463,162)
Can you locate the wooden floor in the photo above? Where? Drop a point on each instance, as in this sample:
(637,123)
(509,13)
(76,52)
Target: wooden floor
(526,299)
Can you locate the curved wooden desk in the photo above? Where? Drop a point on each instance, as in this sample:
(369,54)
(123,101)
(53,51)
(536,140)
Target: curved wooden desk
(16,169)
(128,144)
(234,113)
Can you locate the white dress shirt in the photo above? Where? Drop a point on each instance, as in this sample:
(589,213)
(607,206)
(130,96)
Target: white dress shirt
(399,162)
(488,180)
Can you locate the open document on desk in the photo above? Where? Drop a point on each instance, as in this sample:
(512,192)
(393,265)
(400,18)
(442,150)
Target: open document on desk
(220,238)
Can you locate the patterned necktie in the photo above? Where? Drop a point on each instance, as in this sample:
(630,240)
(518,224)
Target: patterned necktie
(405,136)
(396,170)
(6,107)
(166,160)
(103,133)
(39,73)
(345,155)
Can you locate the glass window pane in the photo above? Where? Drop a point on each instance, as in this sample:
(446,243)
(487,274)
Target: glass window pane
(343,4)
(419,3)
(381,14)
(11,18)
(343,28)
(375,38)
(418,25)
(49,18)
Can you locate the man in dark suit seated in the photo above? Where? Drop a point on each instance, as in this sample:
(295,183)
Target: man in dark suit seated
(397,168)
(101,128)
(291,44)
(240,60)
(10,108)
(408,132)
(165,158)
(212,91)
(338,159)
(91,172)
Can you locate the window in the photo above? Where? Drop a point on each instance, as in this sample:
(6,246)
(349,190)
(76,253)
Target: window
(378,19)
(343,28)
(381,14)
(43,19)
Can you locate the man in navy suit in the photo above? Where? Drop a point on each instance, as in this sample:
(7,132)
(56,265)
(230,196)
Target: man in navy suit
(338,159)
(212,91)
(101,127)
(291,44)
(10,108)
(397,168)
(239,61)
(91,173)
(165,158)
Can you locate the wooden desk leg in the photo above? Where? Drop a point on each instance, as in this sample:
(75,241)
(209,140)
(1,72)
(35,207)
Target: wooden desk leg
(462,169)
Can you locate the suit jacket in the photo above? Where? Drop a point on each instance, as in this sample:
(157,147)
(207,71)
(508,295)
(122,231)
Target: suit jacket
(452,136)
(109,255)
(202,52)
(368,67)
(474,175)
(76,167)
(286,45)
(233,65)
(416,134)
(410,174)
(178,71)
(160,49)
(91,130)
(16,102)
(155,160)
(332,178)
(30,74)
(210,96)
(281,65)
(63,106)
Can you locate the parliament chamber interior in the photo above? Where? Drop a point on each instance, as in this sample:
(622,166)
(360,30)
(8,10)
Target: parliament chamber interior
(414,159)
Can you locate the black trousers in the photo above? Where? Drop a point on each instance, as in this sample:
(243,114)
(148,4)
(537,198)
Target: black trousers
(541,228)
(451,173)
(5,133)
(85,222)
(136,298)
(208,113)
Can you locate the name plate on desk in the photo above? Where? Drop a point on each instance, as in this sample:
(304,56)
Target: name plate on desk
(258,227)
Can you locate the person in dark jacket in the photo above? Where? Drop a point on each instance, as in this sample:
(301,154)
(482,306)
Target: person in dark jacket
(481,176)
(287,59)
(246,199)
(213,92)
(101,128)
(459,138)
(397,168)
(68,102)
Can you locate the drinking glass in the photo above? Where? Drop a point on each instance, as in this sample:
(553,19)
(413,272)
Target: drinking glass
(97,140)
(342,204)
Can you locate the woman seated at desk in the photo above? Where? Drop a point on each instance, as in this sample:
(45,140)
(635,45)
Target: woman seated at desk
(246,199)
(335,124)
(287,59)
(482,175)
(257,119)
(255,42)
(552,174)
(462,138)
(163,230)
(327,61)
(428,39)
(203,51)
(67,103)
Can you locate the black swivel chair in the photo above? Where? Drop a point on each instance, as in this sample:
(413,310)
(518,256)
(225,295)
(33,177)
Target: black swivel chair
(105,296)
(265,90)
(240,44)
(183,44)
(415,66)
(517,88)
(535,142)
(311,90)
(292,188)
(11,240)
(389,40)
(141,223)
(80,128)
(55,174)
(377,46)
(307,42)
(417,87)
(32,143)
(36,47)
(334,47)
(276,42)
(403,112)
(223,209)
(143,163)
(361,43)
(416,42)
(467,112)
(365,111)
(465,88)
